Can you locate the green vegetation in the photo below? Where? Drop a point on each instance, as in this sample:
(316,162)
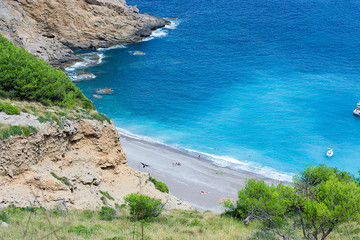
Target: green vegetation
(13,130)
(80,225)
(9,109)
(320,200)
(105,196)
(159,185)
(54,113)
(101,117)
(143,207)
(25,77)
(107,213)
(81,230)
(64,180)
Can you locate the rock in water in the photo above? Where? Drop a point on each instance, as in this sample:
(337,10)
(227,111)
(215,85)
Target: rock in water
(84,76)
(104,91)
(138,53)
(49,29)
(97,96)
(4,225)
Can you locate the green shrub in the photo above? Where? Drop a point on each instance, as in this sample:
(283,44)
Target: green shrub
(2,106)
(15,130)
(143,207)
(3,216)
(11,110)
(159,185)
(107,195)
(101,117)
(12,130)
(107,213)
(64,180)
(23,76)
(81,230)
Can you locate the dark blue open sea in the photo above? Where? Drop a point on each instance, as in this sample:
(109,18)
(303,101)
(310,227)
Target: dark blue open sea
(262,85)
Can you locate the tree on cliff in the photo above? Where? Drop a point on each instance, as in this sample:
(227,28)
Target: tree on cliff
(25,77)
(320,199)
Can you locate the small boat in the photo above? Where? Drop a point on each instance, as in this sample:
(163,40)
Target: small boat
(329,153)
(357,110)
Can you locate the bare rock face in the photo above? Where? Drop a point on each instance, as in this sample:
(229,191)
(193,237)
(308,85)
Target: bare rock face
(70,163)
(49,29)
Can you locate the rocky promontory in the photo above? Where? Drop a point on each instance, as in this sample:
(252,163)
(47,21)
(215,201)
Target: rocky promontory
(50,29)
(72,162)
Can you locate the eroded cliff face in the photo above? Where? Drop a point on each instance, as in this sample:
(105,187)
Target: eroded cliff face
(87,153)
(49,29)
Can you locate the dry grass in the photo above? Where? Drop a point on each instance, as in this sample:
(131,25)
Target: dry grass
(53,113)
(174,224)
(171,225)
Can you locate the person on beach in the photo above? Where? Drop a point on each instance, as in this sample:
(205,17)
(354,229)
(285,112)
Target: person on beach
(199,157)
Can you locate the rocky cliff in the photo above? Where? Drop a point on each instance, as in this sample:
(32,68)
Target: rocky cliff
(71,162)
(49,29)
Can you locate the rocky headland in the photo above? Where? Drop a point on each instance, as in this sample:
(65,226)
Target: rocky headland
(71,162)
(50,29)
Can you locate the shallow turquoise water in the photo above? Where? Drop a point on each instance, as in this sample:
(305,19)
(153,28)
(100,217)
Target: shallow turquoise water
(265,86)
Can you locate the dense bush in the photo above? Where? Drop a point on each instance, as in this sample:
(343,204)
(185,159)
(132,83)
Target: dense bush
(9,109)
(14,130)
(143,207)
(107,213)
(159,185)
(23,76)
(320,199)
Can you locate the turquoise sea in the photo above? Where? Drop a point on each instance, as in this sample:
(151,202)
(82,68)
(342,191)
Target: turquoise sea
(264,86)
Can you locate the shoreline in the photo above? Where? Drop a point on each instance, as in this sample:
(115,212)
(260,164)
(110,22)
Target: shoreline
(190,180)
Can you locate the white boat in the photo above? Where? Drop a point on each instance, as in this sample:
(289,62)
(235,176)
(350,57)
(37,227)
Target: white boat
(357,110)
(329,153)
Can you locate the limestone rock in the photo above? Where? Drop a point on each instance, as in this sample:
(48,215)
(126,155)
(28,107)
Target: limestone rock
(86,157)
(49,29)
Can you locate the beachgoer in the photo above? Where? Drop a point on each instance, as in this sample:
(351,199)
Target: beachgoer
(199,157)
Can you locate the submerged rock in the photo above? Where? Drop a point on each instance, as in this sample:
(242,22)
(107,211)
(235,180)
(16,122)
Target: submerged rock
(104,91)
(138,53)
(84,76)
(97,96)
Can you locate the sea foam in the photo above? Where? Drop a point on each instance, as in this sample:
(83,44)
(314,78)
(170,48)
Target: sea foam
(113,47)
(221,161)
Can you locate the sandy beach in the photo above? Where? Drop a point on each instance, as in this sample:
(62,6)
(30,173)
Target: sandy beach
(191,178)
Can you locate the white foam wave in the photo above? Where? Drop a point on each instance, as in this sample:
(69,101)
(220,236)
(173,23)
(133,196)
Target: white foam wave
(225,161)
(75,66)
(162,32)
(139,137)
(172,25)
(113,47)
(221,161)
(101,57)
(159,33)
(147,39)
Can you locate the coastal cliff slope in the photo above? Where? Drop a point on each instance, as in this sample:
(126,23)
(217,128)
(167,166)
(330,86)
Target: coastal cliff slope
(49,29)
(70,162)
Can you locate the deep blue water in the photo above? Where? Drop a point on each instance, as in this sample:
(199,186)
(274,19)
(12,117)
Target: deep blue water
(271,84)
